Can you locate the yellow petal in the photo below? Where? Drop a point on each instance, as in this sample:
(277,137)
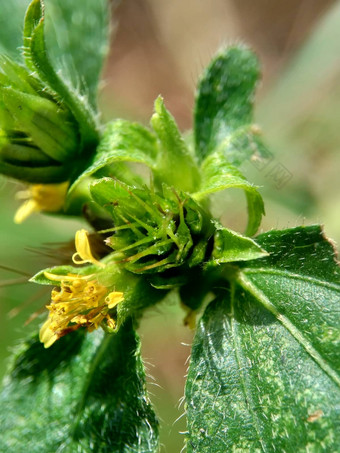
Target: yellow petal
(25,210)
(46,334)
(113,299)
(83,250)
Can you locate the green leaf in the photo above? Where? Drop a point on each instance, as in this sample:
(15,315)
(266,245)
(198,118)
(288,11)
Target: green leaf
(83,394)
(37,58)
(175,166)
(230,246)
(77,39)
(11,21)
(264,371)
(218,174)
(122,141)
(42,279)
(224,106)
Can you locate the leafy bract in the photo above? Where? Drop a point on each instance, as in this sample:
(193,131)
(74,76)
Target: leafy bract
(153,231)
(175,165)
(264,371)
(230,246)
(217,174)
(122,141)
(224,107)
(83,394)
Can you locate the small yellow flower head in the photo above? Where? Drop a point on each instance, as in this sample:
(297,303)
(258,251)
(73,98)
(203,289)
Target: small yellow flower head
(80,301)
(41,197)
(83,250)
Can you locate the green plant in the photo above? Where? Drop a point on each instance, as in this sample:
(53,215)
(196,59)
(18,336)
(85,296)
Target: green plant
(264,368)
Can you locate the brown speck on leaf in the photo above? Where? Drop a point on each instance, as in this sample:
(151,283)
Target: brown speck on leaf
(315,416)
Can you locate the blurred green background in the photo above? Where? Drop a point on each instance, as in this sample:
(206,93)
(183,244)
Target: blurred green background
(161,47)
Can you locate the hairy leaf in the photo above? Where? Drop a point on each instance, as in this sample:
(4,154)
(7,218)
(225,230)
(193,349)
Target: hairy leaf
(218,174)
(83,394)
(264,372)
(224,107)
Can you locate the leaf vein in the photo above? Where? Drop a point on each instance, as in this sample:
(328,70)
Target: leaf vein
(262,298)
(285,273)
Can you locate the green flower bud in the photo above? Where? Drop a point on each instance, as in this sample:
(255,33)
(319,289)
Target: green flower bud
(38,133)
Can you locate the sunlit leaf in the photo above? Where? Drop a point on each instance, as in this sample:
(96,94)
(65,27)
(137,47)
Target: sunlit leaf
(264,372)
(224,107)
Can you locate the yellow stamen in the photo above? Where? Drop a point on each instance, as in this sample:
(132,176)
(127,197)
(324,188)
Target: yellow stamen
(81,301)
(40,197)
(84,250)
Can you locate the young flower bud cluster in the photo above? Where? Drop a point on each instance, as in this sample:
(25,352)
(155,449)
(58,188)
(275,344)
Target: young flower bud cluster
(38,133)
(157,231)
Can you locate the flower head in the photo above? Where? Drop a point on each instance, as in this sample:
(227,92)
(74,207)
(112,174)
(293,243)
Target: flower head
(80,301)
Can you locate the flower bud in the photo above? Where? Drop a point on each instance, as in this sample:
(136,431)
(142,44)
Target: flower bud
(38,133)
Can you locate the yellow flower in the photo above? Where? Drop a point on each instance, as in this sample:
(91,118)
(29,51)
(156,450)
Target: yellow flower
(83,250)
(80,301)
(40,197)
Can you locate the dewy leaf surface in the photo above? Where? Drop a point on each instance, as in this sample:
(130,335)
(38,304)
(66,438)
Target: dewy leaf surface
(224,107)
(83,394)
(264,371)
